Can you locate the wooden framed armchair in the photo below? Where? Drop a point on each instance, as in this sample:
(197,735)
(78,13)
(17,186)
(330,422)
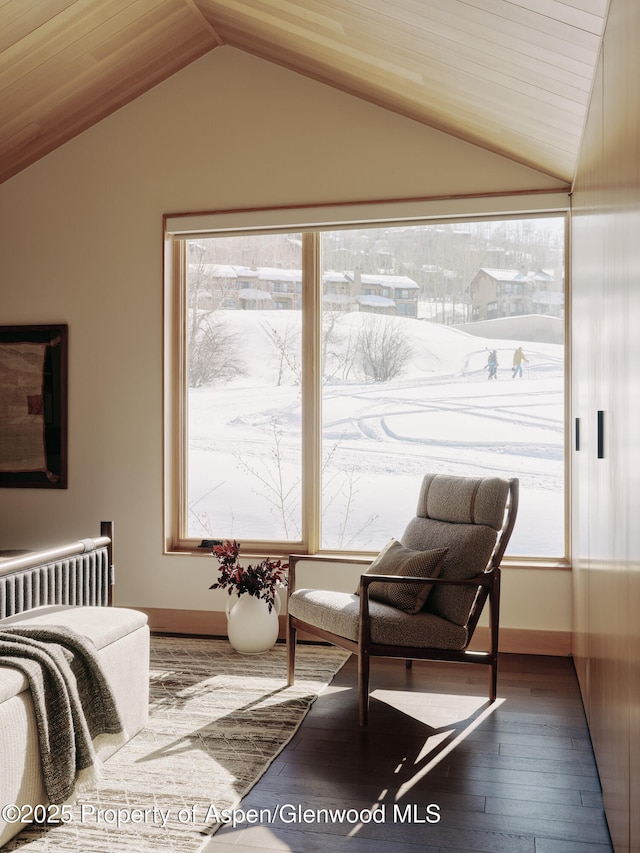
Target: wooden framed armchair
(422,597)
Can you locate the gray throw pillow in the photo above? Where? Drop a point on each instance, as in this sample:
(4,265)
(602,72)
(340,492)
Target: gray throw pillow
(395,559)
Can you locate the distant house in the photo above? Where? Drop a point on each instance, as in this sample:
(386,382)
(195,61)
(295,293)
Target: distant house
(249,288)
(283,285)
(509,293)
(258,288)
(385,294)
(337,291)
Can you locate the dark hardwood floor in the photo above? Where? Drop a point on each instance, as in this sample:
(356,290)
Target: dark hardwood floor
(438,769)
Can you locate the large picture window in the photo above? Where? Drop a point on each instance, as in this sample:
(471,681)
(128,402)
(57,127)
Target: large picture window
(319,373)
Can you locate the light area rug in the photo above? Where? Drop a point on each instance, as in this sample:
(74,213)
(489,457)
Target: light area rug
(217,720)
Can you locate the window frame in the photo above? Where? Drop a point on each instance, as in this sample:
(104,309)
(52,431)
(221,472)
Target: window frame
(311,221)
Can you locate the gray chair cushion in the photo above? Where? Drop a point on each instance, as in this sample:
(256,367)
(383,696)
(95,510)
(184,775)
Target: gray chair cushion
(463,515)
(396,559)
(463,500)
(338,612)
(469,548)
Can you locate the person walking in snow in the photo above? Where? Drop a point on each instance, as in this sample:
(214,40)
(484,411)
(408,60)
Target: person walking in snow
(492,365)
(518,358)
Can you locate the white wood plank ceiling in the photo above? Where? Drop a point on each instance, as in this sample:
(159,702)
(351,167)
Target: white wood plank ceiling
(513,76)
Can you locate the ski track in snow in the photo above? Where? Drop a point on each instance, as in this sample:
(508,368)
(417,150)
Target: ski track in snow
(453,420)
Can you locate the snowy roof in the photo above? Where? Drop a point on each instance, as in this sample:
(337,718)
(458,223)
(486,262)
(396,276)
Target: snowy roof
(277,274)
(215,270)
(385,280)
(517,275)
(389,280)
(243,271)
(235,271)
(376,301)
(501,275)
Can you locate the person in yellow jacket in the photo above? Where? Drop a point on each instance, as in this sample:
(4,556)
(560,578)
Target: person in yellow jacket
(518,358)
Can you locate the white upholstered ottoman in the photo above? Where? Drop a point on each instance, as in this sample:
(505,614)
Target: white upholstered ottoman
(121,637)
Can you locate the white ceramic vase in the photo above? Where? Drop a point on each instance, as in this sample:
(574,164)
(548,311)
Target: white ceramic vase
(251,628)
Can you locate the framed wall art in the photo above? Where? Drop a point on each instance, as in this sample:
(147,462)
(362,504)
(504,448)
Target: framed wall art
(33,406)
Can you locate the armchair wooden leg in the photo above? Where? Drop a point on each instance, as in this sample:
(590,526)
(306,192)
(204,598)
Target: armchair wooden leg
(494,621)
(291,653)
(363,687)
(493,683)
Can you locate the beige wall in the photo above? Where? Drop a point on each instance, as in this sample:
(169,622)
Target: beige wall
(81,236)
(606,491)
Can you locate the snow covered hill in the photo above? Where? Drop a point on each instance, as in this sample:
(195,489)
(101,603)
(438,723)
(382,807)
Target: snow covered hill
(439,413)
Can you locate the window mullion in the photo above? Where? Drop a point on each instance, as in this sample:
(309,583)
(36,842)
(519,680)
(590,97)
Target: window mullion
(311,390)
(175,370)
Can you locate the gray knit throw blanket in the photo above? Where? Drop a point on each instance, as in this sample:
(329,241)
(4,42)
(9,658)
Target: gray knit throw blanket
(74,705)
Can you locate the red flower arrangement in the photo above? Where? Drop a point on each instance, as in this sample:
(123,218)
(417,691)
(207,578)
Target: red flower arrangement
(260,580)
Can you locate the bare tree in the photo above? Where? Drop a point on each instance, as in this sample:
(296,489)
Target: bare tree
(383,348)
(280,493)
(342,486)
(287,346)
(213,356)
(339,349)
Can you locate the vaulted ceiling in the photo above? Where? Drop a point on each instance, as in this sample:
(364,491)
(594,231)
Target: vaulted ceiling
(513,76)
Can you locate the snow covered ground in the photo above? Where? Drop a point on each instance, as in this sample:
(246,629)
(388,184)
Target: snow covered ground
(379,438)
